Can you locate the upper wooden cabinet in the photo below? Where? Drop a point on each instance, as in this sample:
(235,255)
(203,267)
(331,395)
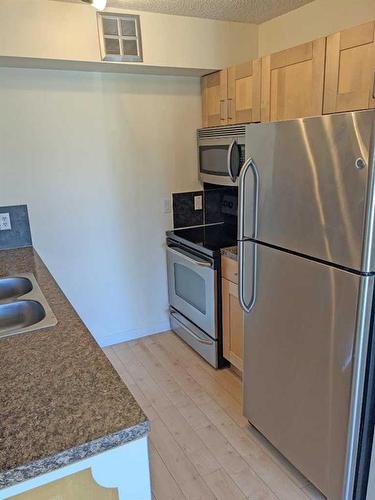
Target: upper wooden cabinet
(232,95)
(244,92)
(214,99)
(292,82)
(350,67)
(327,75)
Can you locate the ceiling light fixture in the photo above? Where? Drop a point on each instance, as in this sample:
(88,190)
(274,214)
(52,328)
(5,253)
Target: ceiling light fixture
(98,4)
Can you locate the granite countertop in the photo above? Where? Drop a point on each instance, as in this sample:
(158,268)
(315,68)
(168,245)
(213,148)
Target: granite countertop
(231,252)
(60,398)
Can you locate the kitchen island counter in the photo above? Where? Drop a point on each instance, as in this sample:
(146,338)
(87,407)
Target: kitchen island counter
(61,400)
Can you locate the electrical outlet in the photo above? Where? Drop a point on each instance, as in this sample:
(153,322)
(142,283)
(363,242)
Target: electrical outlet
(5,224)
(167,208)
(198,202)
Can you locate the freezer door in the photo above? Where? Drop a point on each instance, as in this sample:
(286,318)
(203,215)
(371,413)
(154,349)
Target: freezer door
(298,360)
(315,176)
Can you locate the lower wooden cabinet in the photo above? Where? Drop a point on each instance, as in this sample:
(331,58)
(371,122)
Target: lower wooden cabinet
(79,485)
(120,473)
(232,325)
(232,314)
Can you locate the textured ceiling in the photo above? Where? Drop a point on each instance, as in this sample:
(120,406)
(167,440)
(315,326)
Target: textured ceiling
(250,11)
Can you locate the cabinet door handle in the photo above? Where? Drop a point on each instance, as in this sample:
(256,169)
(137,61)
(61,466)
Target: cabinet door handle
(222,110)
(230,114)
(373,87)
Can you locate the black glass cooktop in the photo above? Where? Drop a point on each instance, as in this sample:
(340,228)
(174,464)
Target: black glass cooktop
(209,239)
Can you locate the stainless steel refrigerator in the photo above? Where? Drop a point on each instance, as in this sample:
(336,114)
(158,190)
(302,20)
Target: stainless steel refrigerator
(306,279)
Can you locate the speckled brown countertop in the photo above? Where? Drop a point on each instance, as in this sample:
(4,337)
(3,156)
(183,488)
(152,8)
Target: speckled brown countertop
(230,252)
(60,398)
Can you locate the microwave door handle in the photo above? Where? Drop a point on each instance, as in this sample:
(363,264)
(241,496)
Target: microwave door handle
(229,160)
(190,259)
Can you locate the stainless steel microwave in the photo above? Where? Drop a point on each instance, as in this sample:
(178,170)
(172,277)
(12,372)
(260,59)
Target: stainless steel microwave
(221,153)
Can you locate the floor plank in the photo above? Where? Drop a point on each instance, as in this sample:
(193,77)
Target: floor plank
(201,446)
(223,486)
(183,471)
(163,484)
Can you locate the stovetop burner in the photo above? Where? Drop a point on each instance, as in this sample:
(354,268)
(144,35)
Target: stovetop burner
(209,239)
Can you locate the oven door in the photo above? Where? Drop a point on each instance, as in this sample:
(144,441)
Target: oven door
(192,287)
(220,160)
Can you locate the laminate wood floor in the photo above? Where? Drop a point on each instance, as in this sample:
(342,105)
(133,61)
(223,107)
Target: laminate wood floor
(201,447)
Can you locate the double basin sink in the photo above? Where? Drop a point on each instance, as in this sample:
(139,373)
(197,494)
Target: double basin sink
(23,307)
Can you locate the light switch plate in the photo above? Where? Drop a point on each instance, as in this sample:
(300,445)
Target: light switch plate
(198,202)
(167,206)
(5,224)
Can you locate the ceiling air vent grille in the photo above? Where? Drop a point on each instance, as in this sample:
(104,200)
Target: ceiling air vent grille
(120,37)
(225,131)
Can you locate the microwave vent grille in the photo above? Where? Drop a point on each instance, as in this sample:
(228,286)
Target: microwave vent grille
(226,131)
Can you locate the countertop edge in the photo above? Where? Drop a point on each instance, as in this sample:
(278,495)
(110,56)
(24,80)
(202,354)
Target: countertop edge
(48,464)
(230,252)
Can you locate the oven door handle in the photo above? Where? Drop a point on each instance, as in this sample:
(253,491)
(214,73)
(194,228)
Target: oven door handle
(202,263)
(202,341)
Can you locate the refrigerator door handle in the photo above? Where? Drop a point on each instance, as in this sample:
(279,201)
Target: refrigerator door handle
(247,305)
(249,164)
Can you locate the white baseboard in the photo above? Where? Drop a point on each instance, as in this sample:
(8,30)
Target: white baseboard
(137,333)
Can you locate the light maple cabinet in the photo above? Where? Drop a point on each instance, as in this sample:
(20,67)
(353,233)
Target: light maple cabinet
(232,314)
(214,98)
(327,75)
(292,82)
(350,68)
(78,485)
(244,92)
(232,95)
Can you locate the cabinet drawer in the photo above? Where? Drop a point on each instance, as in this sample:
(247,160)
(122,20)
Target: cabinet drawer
(229,269)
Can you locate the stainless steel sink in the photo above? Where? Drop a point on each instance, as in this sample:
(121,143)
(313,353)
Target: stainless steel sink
(11,288)
(20,314)
(23,307)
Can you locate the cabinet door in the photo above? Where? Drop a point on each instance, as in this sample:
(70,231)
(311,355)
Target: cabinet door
(214,99)
(78,485)
(232,324)
(292,82)
(350,67)
(244,92)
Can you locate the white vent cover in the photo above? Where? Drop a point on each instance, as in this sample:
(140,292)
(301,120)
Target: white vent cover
(225,131)
(120,37)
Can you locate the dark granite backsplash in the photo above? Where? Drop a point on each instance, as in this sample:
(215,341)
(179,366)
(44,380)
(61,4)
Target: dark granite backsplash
(219,205)
(184,214)
(19,235)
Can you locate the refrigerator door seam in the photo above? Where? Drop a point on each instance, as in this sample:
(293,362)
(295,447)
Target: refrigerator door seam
(368,237)
(359,370)
(309,257)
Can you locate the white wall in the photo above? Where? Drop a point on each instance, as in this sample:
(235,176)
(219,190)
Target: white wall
(93,155)
(195,43)
(313,20)
(48,29)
